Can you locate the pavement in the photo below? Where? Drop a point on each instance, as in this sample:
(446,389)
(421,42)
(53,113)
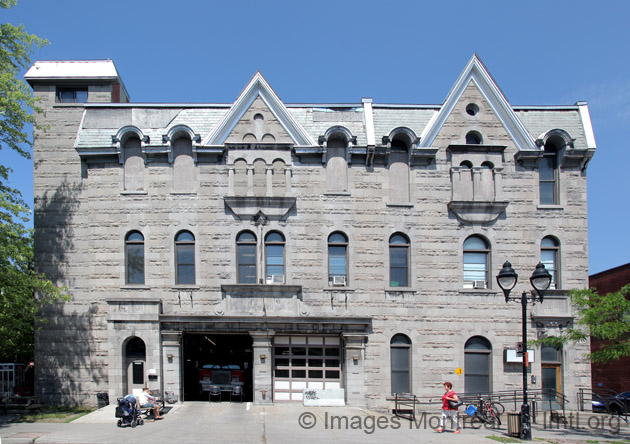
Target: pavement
(203,422)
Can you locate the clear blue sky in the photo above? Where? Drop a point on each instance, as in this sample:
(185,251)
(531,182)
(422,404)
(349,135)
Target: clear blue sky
(539,52)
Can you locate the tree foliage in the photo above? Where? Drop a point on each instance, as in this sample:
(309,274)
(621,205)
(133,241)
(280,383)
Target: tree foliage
(23,291)
(603,317)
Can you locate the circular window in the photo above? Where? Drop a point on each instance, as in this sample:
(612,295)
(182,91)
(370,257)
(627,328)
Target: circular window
(472,109)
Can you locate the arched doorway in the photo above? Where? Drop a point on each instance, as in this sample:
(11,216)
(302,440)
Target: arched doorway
(135,361)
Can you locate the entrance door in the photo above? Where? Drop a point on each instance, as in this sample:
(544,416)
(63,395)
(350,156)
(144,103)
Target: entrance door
(551,370)
(135,377)
(135,360)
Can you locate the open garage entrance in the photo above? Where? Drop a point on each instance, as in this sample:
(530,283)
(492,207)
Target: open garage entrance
(220,360)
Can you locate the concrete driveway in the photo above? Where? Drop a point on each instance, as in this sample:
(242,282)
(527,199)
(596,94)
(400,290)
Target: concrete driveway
(201,422)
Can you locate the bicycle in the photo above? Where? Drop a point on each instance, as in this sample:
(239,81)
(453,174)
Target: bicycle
(488,412)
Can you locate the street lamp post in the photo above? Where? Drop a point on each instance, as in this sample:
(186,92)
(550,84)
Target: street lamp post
(540,281)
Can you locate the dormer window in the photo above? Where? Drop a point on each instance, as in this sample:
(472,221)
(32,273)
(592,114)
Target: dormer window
(548,174)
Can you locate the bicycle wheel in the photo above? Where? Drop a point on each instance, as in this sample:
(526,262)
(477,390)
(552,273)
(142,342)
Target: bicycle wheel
(494,418)
(498,407)
(478,417)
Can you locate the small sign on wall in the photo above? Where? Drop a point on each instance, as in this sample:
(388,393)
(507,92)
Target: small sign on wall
(512,356)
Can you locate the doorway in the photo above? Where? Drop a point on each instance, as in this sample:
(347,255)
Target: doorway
(135,360)
(231,352)
(551,371)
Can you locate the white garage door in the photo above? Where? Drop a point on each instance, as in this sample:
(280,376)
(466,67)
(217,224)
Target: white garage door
(305,362)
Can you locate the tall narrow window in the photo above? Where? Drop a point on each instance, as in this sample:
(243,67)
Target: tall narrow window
(337,165)
(548,176)
(134,165)
(476,262)
(399,171)
(246,257)
(183,165)
(401,363)
(134,258)
(549,256)
(477,353)
(274,255)
(185,258)
(398,261)
(337,259)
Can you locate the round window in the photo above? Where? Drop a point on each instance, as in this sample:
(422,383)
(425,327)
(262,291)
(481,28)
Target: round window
(472,109)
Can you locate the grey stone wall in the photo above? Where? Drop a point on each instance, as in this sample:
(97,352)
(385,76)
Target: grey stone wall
(82,216)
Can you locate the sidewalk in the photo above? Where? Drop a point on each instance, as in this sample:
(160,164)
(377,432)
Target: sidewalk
(200,422)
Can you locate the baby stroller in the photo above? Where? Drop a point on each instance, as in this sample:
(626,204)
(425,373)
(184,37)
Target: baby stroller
(128,412)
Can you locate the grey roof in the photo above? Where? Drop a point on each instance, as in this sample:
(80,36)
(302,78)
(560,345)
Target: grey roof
(101,122)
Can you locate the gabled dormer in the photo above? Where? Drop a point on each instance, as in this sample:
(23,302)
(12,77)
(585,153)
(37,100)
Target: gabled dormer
(258,118)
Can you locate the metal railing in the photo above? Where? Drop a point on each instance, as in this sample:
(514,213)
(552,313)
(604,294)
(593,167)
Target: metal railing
(405,406)
(540,399)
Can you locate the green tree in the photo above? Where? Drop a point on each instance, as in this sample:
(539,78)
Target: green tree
(23,291)
(603,317)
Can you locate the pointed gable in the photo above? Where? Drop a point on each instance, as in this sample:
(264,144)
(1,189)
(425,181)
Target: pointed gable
(476,79)
(258,116)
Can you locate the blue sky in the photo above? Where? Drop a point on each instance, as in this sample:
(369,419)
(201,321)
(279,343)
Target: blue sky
(539,52)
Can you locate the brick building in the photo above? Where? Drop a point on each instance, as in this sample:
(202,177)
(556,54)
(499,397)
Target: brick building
(608,376)
(343,247)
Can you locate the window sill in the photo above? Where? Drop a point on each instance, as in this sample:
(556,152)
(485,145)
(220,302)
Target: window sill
(134,193)
(185,287)
(550,207)
(340,289)
(400,290)
(400,205)
(135,287)
(183,193)
(478,291)
(337,193)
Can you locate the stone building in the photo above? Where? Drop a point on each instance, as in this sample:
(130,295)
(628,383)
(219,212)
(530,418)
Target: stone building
(349,247)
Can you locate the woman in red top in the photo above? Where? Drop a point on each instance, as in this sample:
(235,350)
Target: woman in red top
(447,410)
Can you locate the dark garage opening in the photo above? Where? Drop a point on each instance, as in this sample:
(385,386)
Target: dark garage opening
(216,350)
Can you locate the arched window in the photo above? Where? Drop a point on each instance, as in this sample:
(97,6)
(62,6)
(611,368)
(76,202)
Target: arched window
(134,258)
(477,358)
(185,258)
(399,170)
(260,177)
(550,258)
(398,260)
(473,138)
(476,262)
(337,259)
(548,174)
(337,164)
(400,346)
(183,165)
(133,164)
(274,255)
(246,257)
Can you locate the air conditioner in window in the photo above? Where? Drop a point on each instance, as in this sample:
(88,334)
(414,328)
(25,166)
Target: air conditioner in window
(479,284)
(338,281)
(552,286)
(275,279)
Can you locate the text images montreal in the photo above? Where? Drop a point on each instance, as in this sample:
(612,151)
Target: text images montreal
(369,424)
